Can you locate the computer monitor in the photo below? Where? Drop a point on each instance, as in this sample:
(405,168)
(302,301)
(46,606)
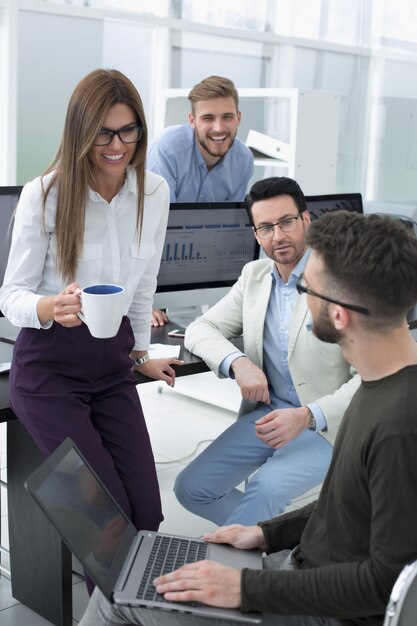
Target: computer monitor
(9,197)
(319,205)
(206,246)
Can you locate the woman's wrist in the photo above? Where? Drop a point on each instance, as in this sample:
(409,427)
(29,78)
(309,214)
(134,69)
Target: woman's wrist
(45,309)
(137,353)
(139,357)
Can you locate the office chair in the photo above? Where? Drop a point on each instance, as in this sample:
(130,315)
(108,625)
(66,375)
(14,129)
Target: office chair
(402,605)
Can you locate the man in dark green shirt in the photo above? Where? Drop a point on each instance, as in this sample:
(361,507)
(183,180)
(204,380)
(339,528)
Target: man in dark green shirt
(337,559)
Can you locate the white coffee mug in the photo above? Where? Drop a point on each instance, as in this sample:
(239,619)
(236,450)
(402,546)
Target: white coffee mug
(102,309)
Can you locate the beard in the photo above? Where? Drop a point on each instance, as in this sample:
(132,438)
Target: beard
(213,150)
(290,256)
(324,329)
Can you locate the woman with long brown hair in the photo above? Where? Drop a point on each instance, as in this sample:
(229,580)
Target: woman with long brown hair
(95,216)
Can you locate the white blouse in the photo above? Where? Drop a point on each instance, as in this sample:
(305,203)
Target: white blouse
(111,252)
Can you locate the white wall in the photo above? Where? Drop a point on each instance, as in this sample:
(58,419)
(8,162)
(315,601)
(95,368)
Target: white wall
(54,53)
(357,49)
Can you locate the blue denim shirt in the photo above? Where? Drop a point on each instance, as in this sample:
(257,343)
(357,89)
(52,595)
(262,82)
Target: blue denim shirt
(175,155)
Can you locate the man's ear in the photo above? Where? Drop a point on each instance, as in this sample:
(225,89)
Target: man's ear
(340,316)
(191,119)
(239,117)
(306,217)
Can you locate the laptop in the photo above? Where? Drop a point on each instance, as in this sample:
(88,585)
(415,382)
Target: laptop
(121,561)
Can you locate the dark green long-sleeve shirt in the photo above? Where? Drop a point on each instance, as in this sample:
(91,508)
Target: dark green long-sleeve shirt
(354,541)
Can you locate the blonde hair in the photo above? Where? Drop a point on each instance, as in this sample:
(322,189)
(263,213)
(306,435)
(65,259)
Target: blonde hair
(92,98)
(213,87)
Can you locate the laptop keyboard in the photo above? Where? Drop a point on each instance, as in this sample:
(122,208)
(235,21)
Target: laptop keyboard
(168,554)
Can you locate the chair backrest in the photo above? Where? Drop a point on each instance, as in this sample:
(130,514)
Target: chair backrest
(402,605)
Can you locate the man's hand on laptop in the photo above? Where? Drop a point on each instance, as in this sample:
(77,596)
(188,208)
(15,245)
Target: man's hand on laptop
(238,536)
(251,380)
(281,426)
(159,318)
(208,582)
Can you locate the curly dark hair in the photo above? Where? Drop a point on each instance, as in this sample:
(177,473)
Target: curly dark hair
(370,261)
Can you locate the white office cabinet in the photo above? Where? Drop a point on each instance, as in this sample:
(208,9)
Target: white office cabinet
(302,123)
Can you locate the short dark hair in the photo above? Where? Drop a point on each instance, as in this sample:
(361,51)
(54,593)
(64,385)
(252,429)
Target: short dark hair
(272,187)
(213,87)
(369,260)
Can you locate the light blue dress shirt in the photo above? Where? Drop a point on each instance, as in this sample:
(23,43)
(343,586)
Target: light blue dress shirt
(175,155)
(275,345)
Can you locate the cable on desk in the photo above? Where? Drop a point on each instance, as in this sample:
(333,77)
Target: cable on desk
(185,458)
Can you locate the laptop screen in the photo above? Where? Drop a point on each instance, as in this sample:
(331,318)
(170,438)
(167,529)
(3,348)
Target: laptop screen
(85,515)
(206,245)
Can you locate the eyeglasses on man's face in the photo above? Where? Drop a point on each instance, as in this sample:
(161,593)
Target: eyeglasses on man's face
(287,225)
(302,288)
(129,134)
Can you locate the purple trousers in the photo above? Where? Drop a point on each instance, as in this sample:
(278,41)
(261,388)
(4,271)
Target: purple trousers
(65,383)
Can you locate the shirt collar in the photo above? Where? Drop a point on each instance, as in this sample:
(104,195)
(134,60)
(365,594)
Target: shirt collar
(128,186)
(197,154)
(199,157)
(130,183)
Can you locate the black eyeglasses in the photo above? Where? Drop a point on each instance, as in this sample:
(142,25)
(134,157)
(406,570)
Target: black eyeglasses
(130,134)
(287,225)
(302,288)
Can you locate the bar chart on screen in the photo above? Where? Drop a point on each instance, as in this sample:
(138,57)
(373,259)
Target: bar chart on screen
(206,251)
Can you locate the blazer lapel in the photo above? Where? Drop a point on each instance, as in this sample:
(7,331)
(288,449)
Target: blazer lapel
(299,319)
(259,314)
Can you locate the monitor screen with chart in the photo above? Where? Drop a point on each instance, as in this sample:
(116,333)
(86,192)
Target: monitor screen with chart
(206,246)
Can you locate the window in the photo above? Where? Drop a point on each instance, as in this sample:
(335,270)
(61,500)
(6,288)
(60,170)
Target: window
(244,14)
(154,7)
(335,21)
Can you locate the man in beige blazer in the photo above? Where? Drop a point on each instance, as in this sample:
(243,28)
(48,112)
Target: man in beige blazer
(295,388)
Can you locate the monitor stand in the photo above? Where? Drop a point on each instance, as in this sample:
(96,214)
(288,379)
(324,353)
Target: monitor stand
(183,316)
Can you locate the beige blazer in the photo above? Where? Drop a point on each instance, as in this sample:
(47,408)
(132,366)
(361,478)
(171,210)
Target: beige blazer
(318,370)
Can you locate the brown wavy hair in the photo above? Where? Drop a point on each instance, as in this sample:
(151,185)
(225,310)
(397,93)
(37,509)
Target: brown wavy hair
(213,87)
(92,98)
